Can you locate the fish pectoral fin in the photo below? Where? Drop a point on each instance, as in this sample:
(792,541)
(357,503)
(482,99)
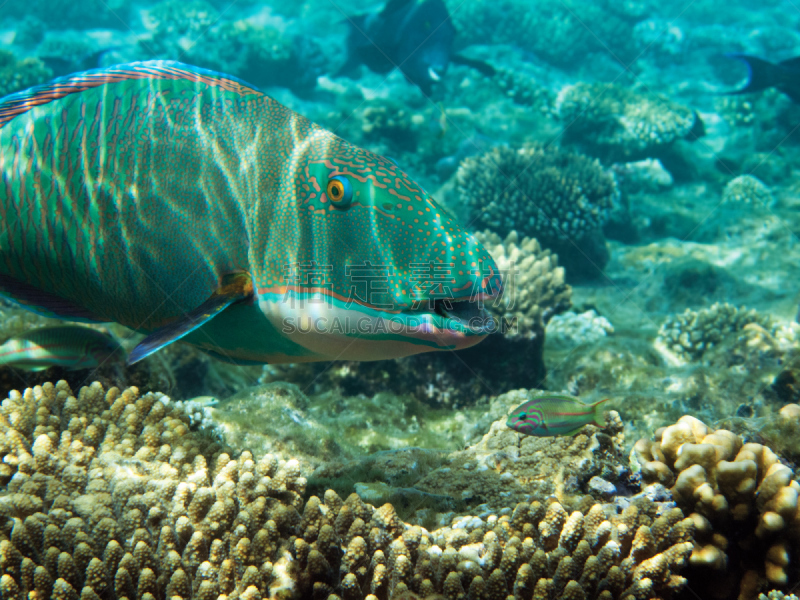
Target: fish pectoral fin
(233,288)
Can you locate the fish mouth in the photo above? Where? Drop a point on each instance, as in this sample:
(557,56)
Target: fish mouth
(468,314)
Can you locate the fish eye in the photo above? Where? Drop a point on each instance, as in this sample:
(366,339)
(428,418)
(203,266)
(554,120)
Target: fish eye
(523,416)
(340,191)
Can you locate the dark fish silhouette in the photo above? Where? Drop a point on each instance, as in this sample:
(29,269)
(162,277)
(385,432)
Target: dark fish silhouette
(785,75)
(415,36)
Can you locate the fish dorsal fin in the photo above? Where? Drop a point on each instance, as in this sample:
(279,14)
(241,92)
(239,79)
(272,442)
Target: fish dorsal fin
(21,102)
(233,288)
(793,63)
(43,303)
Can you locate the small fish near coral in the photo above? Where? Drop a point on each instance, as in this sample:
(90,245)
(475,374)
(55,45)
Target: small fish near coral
(762,75)
(71,347)
(554,414)
(415,36)
(192,206)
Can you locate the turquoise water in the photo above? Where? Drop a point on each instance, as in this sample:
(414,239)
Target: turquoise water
(643,217)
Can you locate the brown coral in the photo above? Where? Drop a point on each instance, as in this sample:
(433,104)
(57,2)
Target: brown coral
(110,495)
(743,500)
(534,551)
(534,287)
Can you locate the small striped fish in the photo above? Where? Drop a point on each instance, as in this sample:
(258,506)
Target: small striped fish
(554,414)
(71,347)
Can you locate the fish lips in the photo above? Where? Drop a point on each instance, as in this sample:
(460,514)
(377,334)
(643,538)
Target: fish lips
(469,314)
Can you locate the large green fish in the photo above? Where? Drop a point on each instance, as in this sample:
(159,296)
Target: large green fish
(71,347)
(182,202)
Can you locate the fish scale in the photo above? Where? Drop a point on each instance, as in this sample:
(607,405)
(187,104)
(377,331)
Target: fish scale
(137,193)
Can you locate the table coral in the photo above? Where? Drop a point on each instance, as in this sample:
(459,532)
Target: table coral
(742,499)
(619,124)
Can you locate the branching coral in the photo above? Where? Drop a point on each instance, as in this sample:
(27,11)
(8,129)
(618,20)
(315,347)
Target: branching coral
(619,124)
(573,329)
(687,337)
(175,26)
(539,191)
(87,14)
(562,36)
(534,289)
(538,551)
(559,198)
(522,89)
(110,495)
(263,54)
(743,500)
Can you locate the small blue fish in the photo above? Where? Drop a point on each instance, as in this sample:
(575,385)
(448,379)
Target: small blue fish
(71,347)
(554,414)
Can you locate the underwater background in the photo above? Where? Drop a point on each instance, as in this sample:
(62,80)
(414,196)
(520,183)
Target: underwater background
(647,218)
